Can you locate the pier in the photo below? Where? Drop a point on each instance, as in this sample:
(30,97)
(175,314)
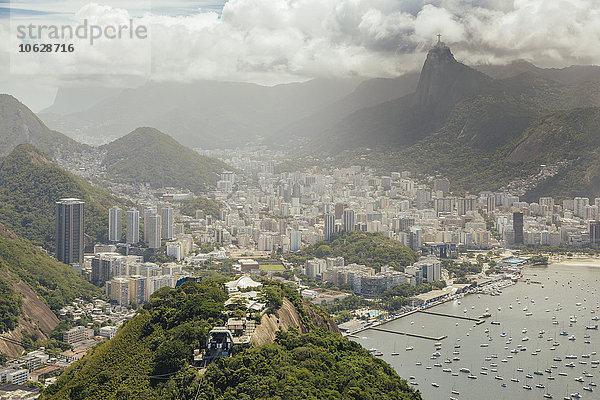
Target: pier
(478,321)
(437,339)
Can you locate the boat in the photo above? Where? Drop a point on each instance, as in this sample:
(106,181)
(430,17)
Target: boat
(579,379)
(434,384)
(587,388)
(498,377)
(409,348)
(472,377)
(572,337)
(378,354)
(418,363)
(465,370)
(514,379)
(527,387)
(576,395)
(562,373)
(540,386)
(547,396)
(395,354)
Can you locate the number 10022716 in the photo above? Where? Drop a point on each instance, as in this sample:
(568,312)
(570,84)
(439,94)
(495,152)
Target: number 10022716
(46,48)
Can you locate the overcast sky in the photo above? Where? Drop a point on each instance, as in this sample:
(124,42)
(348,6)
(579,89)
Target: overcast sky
(277,41)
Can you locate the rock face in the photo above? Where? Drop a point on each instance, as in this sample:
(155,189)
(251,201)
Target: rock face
(285,318)
(444,82)
(435,80)
(37,318)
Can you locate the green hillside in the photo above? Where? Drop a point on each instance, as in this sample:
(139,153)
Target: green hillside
(371,249)
(30,185)
(147,155)
(317,365)
(54,282)
(18,124)
(150,356)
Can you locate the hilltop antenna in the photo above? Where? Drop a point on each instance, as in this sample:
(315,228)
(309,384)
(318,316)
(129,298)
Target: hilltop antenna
(439,38)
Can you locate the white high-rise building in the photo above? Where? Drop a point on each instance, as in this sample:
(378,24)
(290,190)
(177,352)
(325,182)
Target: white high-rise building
(114,224)
(148,211)
(295,240)
(349,220)
(133,226)
(329,228)
(153,231)
(166,214)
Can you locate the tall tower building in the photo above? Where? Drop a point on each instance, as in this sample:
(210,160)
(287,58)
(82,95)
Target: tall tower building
(114,224)
(518,227)
(349,220)
(166,214)
(133,226)
(69,231)
(329,226)
(148,211)
(153,230)
(295,240)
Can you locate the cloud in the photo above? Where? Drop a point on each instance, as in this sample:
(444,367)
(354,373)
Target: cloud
(272,41)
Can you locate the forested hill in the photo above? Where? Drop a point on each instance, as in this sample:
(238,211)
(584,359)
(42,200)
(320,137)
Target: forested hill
(150,357)
(18,124)
(31,285)
(147,155)
(372,249)
(31,183)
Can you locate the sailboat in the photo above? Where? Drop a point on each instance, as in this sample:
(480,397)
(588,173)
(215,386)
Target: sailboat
(394,352)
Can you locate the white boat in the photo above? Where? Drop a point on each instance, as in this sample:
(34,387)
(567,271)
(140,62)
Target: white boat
(409,348)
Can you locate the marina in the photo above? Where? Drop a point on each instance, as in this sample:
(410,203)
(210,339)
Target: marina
(494,356)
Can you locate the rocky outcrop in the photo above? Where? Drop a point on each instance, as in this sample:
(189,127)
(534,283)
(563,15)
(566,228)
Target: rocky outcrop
(37,318)
(287,317)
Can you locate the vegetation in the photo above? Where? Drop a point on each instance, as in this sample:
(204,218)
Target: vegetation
(208,207)
(458,270)
(30,185)
(10,307)
(317,365)
(54,282)
(371,249)
(147,155)
(150,356)
(18,124)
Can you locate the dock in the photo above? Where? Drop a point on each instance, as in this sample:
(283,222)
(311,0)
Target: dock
(437,339)
(478,321)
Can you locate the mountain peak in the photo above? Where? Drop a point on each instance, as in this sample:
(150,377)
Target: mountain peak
(437,75)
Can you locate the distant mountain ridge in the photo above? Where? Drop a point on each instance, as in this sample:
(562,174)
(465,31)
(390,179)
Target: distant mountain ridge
(18,125)
(205,114)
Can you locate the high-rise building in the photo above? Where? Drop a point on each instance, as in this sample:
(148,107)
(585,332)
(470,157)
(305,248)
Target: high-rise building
(153,230)
(114,224)
(166,214)
(133,226)
(595,232)
(329,228)
(339,210)
(349,220)
(518,227)
(148,211)
(295,240)
(69,231)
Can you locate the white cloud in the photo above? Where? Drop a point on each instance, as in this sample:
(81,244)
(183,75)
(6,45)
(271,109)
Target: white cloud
(273,41)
